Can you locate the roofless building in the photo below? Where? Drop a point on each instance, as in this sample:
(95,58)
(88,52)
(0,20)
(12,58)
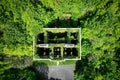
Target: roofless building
(57,43)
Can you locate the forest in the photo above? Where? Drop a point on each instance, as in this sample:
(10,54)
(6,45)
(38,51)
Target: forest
(99,21)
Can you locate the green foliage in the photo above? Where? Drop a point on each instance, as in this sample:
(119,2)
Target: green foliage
(22,19)
(99,38)
(68,62)
(93,67)
(25,74)
(44,62)
(4,66)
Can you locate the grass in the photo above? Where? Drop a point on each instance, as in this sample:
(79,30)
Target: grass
(54,63)
(68,62)
(44,62)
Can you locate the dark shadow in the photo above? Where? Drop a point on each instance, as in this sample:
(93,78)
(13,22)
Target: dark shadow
(22,74)
(41,69)
(80,63)
(74,50)
(70,53)
(2,56)
(86,41)
(117,56)
(43,52)
(108,3)
(64,23)
(54,79)
(1,33)
(83,62)
(89,14)
(40,38)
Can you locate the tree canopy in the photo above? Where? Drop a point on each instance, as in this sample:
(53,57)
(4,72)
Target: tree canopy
(99,21)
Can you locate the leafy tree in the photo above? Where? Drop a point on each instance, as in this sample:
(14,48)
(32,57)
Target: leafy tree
(22,19)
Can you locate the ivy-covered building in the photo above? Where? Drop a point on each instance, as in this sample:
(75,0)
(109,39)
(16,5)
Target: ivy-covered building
(58,43)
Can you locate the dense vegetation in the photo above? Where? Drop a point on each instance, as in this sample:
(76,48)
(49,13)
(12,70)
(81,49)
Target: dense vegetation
(99,20)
